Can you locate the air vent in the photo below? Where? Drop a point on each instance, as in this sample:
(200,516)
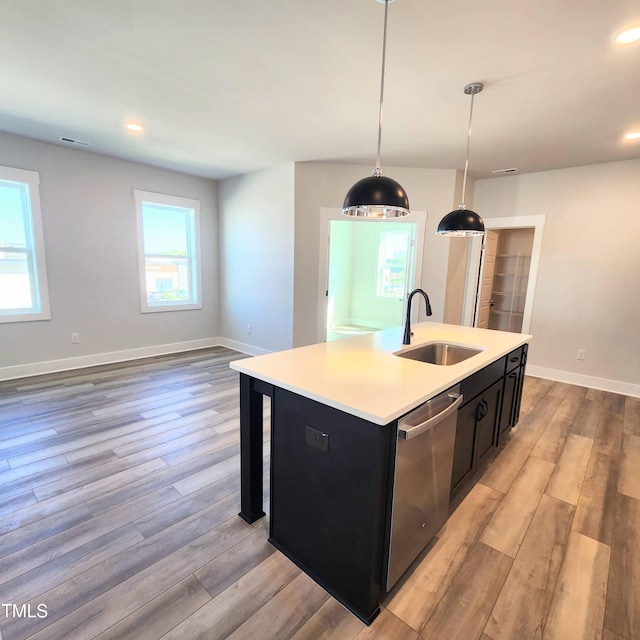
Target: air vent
(77,143)
(501,171)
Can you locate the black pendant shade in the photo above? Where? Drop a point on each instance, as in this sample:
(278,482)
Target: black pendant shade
(461,223)
(376,197)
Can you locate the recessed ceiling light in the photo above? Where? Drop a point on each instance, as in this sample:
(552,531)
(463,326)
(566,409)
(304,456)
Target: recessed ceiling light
(632,135)
(134,126)
(628,35)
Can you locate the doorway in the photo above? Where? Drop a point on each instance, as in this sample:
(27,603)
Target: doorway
(502,272)
(369,268)
(507,263)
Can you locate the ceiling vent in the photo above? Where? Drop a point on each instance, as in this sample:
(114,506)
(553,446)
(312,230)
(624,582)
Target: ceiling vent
(499,172)
(74,141)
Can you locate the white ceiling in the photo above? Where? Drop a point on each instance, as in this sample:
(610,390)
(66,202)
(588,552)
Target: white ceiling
(228,87)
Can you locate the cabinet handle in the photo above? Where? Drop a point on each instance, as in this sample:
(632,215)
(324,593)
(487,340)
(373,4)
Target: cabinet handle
(481,410)
(513,375)
(515,359)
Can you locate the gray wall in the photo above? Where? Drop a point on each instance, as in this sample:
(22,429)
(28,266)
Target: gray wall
(89,221)
(257,232)
(588,289)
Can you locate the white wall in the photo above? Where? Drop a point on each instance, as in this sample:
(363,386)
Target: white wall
(588,287)
(89,222)
(256,260)
(325,185)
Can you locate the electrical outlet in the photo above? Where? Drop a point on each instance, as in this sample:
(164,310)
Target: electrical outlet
(75,338)
(248,328)
(582,354)
(317,439)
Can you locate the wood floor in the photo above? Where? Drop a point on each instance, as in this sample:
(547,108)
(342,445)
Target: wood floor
(120,488)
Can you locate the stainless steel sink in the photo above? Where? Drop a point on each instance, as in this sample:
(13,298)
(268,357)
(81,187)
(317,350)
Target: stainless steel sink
(441,353)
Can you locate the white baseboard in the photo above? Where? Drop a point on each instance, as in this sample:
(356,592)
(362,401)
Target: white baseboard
(604,384)
(242,347)
(81,362)
(366,322)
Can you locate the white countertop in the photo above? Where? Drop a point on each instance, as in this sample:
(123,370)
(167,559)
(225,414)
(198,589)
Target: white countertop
(362,376)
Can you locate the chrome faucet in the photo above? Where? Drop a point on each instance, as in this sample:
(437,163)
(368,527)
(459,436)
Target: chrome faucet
(407,323)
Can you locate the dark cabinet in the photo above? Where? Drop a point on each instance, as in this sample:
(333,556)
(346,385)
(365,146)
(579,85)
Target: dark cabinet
(513,380)
(487,421)
(508,415)
(491,407)
(463,449)
(476,432)
(518,396)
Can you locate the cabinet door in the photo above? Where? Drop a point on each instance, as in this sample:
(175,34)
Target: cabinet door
(518,396)
(465,439)
(511,386)
(487,416)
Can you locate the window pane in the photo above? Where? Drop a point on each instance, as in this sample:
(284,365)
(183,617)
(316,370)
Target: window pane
(15,290)
(167,280)
(19,285)
(166,229)
(13,206)
(392,264)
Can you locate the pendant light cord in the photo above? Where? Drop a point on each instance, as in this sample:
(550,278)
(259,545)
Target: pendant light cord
(466,164)
(377,171)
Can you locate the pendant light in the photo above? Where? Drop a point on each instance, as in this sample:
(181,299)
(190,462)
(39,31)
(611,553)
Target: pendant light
(463,221)
(377,196)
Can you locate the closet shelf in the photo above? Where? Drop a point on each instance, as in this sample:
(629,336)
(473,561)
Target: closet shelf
(498,312)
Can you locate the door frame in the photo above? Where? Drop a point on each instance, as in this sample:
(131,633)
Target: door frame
(478,301)
(474,265)
(331,213)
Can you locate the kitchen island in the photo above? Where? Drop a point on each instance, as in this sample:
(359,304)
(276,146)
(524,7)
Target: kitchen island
(334,429)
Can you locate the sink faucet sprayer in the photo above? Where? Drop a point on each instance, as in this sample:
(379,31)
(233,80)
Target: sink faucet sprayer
(407,324)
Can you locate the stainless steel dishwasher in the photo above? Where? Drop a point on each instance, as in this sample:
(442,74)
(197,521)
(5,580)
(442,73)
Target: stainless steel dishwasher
(422,479)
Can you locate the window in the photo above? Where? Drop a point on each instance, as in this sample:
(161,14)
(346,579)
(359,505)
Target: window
(23,277)
(169,252)
(393,251)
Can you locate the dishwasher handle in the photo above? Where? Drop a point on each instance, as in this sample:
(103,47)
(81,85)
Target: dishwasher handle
(419,429)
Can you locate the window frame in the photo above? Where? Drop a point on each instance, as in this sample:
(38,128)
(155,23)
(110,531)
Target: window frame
(141,197)
(36,259)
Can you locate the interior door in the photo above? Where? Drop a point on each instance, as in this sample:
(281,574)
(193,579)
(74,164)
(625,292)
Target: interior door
(485,301)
